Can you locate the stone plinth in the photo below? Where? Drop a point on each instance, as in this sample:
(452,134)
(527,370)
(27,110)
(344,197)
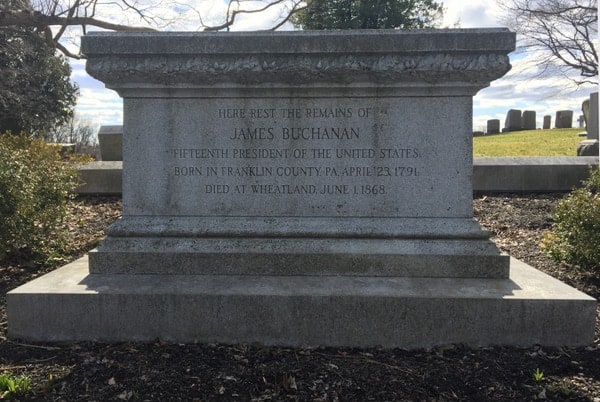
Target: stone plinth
(299,188)
(529,309)
(100,177)
(307,158)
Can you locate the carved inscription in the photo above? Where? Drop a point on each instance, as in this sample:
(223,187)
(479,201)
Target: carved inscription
(339,153)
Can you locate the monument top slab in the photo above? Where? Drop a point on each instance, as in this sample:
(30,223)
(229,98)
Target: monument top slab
(288,59)
(371,41)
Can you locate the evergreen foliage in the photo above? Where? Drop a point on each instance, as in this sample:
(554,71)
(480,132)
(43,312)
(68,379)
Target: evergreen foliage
(36,94)
(575,236)
(35,185)
(367,14)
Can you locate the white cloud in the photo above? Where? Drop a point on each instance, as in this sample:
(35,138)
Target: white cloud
(521,88)
(102,106)
(471,14)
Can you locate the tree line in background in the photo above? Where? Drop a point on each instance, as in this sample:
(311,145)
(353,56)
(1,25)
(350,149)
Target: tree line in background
(37,97)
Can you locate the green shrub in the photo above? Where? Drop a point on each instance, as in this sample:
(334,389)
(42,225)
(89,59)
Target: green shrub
(35,185)
(575,236)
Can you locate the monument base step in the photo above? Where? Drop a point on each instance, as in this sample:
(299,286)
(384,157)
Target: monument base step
(529,308)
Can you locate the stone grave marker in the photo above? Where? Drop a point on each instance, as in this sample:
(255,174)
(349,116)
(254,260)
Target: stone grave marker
(513,121)
(592,122)
(493,126)
(590,146)
(529,120)
(547,122)
(110,139)
(285,188)
(564,119)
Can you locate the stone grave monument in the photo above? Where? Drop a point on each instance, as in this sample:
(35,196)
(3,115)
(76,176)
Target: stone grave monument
(590,146)
(110,139)
(513,121)
(547,122)
(592,118)
(493,126)
(564,119)
(287,188)
(529,120)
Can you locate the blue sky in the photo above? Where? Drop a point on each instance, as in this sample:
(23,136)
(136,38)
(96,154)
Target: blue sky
(521,88)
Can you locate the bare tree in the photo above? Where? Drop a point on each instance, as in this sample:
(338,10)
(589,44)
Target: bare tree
(559,32)
(57,17)
(74,131)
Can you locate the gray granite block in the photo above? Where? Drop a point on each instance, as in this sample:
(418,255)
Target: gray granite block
(299,188)
(528,308)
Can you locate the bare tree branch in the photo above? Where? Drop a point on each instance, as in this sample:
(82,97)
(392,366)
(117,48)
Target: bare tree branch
(559,31)
(230,17)
(298,6)
(56,17)
(36,19)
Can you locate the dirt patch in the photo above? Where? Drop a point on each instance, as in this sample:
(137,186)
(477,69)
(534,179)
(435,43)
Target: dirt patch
(93,371)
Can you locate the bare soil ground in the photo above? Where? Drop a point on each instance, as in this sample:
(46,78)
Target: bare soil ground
(157,371)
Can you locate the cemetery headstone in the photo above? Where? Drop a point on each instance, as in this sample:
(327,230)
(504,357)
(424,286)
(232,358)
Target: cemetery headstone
(564,119)
(285,188)
(493,126)
(585,109)
(547,122)
(590,147)
(110,139)
(592,122)
(513,121)
(529,120)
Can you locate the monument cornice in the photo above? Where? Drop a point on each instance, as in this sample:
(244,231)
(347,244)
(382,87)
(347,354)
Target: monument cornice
(386,57)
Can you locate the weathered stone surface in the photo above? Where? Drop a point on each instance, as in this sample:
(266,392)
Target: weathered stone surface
(547,122)
(513,175)
(564,119)
(513,121)
(110,139)
(304,127)
(529,308)
(306,57)
(101,177)
(288,188)
(531,174)
(588,148)
(592,122)
(529,120)
(493,126)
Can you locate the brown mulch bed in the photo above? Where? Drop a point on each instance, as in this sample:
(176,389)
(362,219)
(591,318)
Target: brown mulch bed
(92,371)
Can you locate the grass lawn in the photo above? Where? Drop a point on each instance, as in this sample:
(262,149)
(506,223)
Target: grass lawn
(556,142)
